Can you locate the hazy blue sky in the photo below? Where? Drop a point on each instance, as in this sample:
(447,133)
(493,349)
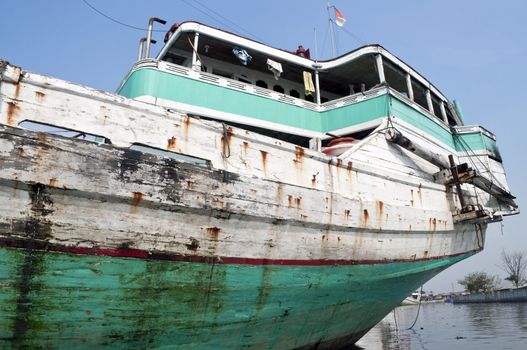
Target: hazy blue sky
(472,50)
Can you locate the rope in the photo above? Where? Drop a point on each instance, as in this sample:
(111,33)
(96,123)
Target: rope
(194,49)
(418,309)
(117,21)
(471,154)
(220,16)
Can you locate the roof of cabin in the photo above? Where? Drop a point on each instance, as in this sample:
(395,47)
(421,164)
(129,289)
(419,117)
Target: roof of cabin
(223,42)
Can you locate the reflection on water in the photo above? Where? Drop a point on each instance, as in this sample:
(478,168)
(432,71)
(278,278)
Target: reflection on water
(447,326)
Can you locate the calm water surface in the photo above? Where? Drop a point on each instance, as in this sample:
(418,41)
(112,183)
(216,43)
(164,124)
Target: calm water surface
(447,326)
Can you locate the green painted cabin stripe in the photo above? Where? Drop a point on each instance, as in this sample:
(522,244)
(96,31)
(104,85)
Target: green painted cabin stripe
(151,82)
(85,301)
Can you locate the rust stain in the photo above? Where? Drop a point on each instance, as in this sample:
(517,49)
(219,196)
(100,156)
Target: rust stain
(434,224)
(264,161)
(297,202)
(339,162)
(347,214)
(218,203)
(42,137)
(380,206)
(425,253)
(412,202)
(289,201)
(53,182)
(314,180)
(245,147)
(20,152)
(17,90)
(225,143)
(137,197)
(186,126)
(12,109)
(214,232)
(349,170)
(171,143)
(420,195)
(190,184)
(299,155)
(365,216)
(40,96)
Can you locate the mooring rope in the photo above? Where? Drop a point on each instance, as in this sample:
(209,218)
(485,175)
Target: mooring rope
(418,309)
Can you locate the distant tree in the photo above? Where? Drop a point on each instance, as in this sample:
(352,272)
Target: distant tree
(478,281)
(515,265)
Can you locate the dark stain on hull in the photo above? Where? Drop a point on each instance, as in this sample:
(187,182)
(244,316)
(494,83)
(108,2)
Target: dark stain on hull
(193,245)
(127,163)
(41,201)
(225,176)
(28,288)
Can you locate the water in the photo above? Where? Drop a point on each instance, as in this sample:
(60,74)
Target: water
(447,326)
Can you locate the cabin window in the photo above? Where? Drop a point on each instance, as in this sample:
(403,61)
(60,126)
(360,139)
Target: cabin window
(183,158)
(278,88)
(436,102)
(450,117)
(261,84)
(419,94)
(294,93)
(64,132)
(395,77)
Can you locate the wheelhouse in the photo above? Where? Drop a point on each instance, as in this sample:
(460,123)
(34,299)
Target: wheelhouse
(305,98)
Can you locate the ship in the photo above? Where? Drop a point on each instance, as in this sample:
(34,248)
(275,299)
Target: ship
(232,195)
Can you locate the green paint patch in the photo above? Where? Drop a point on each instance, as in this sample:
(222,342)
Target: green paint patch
(151,82)
(96,301)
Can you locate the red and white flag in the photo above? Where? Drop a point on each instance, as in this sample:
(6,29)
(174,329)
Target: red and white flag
(339,17)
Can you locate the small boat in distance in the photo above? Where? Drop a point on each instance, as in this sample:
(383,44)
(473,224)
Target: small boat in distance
(232,195)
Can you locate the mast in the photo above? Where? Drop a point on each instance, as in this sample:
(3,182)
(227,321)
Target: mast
(331,30)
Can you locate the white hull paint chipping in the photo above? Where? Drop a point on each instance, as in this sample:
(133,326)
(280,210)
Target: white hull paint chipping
(375,202)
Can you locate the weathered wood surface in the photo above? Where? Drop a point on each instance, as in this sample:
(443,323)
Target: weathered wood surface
(255,218)
(146,202)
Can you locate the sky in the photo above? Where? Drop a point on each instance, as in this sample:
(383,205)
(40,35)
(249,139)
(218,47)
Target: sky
(474,51)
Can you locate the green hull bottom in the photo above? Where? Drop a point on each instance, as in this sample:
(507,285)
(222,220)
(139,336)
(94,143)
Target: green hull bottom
(58,300)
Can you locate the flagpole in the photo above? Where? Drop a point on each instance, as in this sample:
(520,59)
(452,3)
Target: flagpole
(331,31)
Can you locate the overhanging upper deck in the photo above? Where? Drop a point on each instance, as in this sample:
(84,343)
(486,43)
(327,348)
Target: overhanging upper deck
(357,71)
